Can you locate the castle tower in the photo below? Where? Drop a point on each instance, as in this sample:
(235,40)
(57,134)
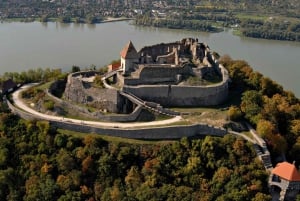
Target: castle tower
(285,181)
(129,57)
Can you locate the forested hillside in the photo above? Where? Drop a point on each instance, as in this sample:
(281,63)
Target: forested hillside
(38,162)
(265,104)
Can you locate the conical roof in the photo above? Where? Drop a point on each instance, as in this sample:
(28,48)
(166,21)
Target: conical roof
(129,52)
(287,171)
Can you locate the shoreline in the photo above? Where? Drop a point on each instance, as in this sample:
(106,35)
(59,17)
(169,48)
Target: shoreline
(236,32)
(28,20)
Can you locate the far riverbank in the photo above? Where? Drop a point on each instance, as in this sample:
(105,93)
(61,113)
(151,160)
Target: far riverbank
(28,20)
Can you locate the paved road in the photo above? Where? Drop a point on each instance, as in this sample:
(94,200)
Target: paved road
(19,103)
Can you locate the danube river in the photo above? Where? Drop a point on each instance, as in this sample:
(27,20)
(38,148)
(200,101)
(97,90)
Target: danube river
(32,45)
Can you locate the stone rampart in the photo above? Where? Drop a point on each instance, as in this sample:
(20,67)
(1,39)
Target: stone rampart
(174,95)
(170,132)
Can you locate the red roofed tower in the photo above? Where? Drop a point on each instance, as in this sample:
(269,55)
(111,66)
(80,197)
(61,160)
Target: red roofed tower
(285,176)
(129,57)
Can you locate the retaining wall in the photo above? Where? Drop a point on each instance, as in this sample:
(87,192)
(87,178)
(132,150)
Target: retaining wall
(172,132)
(84,112)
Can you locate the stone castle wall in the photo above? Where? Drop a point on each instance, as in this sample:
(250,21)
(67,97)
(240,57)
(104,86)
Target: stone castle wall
(174,95)
(170,132)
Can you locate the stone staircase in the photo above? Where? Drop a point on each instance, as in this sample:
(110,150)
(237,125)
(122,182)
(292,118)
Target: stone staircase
(266,159)
(150,106)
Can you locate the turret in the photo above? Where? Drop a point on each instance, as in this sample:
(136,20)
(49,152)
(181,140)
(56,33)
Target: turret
(129,57)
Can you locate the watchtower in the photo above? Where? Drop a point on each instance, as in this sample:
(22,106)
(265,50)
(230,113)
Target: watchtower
(129,57)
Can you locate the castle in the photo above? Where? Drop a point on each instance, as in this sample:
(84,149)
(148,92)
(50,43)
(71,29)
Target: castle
(177,74)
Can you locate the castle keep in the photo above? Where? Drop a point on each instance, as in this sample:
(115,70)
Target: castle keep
(177,74)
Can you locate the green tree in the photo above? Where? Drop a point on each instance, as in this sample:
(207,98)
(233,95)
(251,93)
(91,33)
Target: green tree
(133,178)
(251,105)
(4,155)
(40,189)
(65,19)
(65,161)
(265,128)
(75,69)
(234,113)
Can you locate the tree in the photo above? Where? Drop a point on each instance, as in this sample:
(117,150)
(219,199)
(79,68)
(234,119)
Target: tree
(133,178)
(251,105)
(40,189)
(278,144)
(255,80)
(65,19)
(75,69)
(295,127)
(65,161)
(265,128)
(86,164)
(234,113)
(269,87)
(4,154)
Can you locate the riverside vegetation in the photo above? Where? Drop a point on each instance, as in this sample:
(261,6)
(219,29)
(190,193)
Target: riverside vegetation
(39,162)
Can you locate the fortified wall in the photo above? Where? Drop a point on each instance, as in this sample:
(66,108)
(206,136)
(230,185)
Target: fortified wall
(153,74)
(170,132)
(176,95)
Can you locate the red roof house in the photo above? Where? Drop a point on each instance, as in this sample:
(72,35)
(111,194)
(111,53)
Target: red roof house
(285,177)
(287,171)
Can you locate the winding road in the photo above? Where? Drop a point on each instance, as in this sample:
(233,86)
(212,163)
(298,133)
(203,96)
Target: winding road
(18,102)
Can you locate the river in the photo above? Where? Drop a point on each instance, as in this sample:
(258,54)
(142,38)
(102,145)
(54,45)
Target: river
(26,46)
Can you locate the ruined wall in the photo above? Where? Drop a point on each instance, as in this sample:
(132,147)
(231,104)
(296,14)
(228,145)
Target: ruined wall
(174,95)
(160,49)
(152,74)
(83,93)
(170,58)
